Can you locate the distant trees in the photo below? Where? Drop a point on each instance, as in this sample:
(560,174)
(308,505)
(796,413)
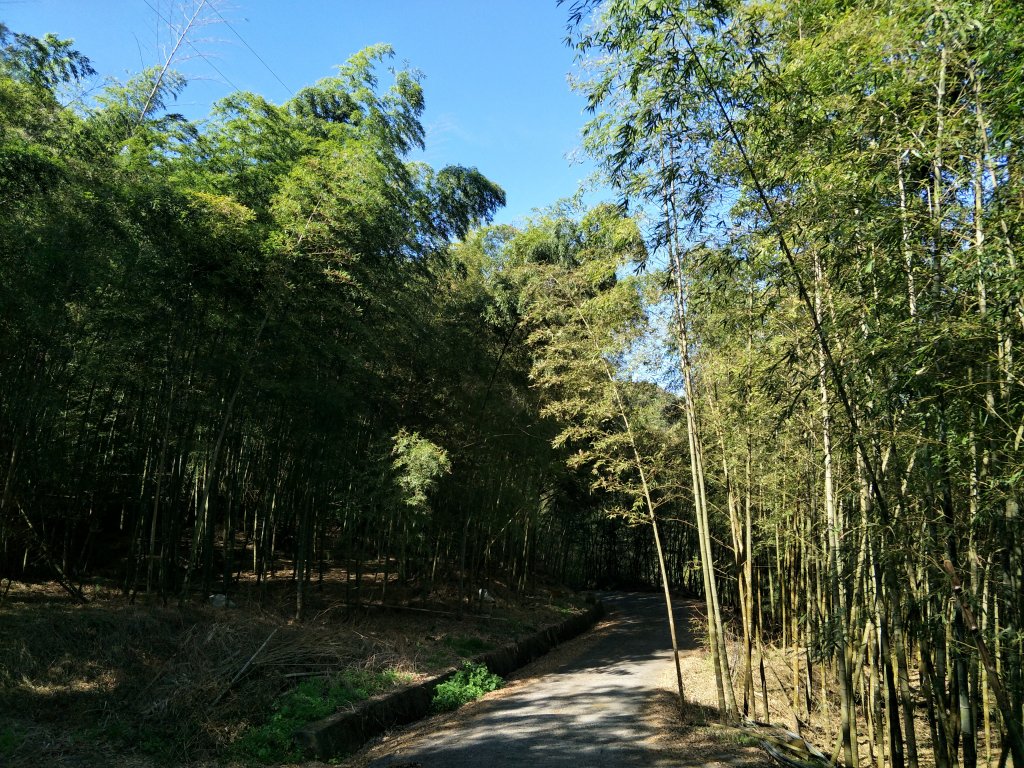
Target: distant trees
(583,321)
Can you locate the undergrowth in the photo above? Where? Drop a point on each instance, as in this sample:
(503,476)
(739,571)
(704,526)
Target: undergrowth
(469,683)
(9,741)
(311,700)
(468,645)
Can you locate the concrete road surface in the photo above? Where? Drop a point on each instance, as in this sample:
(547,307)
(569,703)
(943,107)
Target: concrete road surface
(589,712)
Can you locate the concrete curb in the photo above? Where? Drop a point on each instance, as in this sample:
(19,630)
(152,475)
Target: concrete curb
(346,731)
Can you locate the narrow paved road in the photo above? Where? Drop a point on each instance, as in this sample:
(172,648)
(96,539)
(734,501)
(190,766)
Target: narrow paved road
(589,712)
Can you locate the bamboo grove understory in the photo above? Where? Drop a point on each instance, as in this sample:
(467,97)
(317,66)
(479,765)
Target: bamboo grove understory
(781,374)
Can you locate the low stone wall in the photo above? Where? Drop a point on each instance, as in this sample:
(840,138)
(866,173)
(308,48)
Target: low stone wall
(346,731)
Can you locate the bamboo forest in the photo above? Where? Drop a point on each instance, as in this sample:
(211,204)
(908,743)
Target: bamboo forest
(775,370)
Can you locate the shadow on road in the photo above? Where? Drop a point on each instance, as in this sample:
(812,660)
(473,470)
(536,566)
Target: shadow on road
(592,711)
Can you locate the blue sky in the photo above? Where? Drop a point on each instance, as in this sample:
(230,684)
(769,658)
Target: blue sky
(495,70)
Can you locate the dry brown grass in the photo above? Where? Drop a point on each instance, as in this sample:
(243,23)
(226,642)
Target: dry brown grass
(112,683)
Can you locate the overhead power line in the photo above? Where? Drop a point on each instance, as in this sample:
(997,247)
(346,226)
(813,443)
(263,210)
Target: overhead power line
(252,51)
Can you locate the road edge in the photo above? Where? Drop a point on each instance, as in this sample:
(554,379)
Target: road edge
(345,732)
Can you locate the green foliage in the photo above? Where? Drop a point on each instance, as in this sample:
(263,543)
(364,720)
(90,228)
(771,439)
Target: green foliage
(838,187)
(266,280)
(585,321)
(469,645)
(418,464)
(469,683)
(308,702)
(45,62)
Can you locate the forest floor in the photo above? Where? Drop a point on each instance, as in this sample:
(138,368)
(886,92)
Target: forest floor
(141,683)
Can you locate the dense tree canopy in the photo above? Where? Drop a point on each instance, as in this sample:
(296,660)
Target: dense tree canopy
(269,340)
(212,331)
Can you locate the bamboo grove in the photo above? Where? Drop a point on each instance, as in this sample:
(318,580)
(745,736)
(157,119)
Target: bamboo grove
(835,190)
(783,375)
(248,347)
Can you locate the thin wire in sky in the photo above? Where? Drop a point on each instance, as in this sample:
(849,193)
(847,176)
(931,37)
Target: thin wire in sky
(253,51)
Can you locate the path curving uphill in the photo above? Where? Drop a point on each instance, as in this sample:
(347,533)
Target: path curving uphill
(590,710)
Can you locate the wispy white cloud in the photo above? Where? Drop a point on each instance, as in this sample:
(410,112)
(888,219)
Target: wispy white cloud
(446,130)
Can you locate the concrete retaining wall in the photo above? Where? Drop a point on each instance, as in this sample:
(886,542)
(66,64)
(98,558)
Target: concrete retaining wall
(346,731)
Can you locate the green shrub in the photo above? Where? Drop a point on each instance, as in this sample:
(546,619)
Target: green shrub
(469,645)
(309,701)
(470,682)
